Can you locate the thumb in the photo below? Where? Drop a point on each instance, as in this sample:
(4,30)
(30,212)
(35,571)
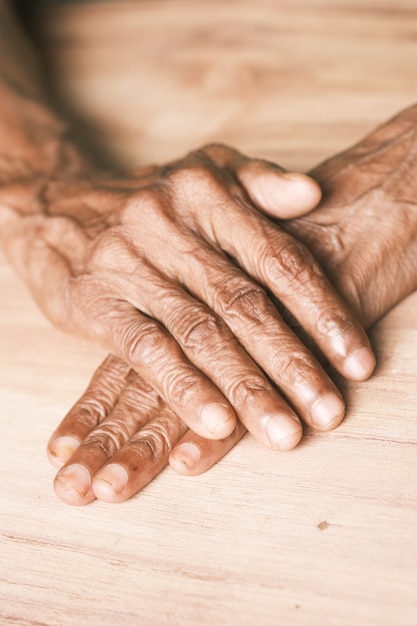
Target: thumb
(282,195)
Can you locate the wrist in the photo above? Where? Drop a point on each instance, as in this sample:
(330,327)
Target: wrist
(34,147)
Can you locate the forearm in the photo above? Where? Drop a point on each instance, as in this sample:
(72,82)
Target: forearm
(32,144)
(28,127)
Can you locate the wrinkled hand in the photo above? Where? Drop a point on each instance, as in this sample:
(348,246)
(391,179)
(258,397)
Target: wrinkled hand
(123,419)
(364,233)
(164,269)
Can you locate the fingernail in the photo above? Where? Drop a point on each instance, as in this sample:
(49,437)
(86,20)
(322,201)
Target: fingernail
(75,478)
(361,364)
(63,448)
(187,454)
(283,432)
(115,476)
(218,419)
(328,411)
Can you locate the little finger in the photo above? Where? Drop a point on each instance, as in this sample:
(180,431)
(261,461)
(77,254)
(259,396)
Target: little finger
(194,455)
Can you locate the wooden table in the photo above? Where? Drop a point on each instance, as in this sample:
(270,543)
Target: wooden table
(324,535)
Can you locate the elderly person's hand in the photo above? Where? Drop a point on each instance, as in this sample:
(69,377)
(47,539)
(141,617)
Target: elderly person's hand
(173,268)
(365,234)
(169,269)
(365,230)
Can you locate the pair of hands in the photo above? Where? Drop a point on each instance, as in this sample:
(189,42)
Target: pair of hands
(215,249)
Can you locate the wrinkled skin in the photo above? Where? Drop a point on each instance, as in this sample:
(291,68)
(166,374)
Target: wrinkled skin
(365,235)
(167,269)
(365,231)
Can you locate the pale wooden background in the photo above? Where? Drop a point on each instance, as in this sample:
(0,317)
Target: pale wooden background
(322,536)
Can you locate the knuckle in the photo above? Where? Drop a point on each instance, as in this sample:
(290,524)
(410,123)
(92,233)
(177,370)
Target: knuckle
(149,210)
(290,263)
(244,300)
(149,200)
(157,438)
(333,324)
(195,173)
(108,251)
(93,409)
(87,413)
(144,343)
(181,388)
(160,435)
(298,368)
(196,176)
(196,328)
(107,437)
(247,391)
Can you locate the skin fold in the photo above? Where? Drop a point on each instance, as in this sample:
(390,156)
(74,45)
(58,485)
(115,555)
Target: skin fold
(175,269)
(186,273)
(120,434)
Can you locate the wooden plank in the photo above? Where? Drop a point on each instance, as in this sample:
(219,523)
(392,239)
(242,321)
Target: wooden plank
(323,535)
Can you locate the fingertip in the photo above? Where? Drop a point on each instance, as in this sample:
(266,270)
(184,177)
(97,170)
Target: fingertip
(304,194)
(283,432)
(185,458)
(360,365)
(291,441)
(218,420)
(73,485)
(110,483)
(327,412)
(283,195)
(61,449)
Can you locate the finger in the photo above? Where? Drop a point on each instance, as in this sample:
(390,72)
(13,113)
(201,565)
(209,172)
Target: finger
(271,257)
(283,265)
(136,406)
(194,455)
(281,194)
(209,344)
(152,352)
(94,405)
(253,319)
(140,460)
(213,349)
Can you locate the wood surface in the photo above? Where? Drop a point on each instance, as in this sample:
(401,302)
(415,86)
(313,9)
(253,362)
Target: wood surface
(325,535)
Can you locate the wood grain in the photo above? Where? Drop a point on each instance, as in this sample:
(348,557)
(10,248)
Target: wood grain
(322,536)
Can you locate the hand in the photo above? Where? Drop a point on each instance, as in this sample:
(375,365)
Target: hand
(163,269)
(364,233)
(120,418)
